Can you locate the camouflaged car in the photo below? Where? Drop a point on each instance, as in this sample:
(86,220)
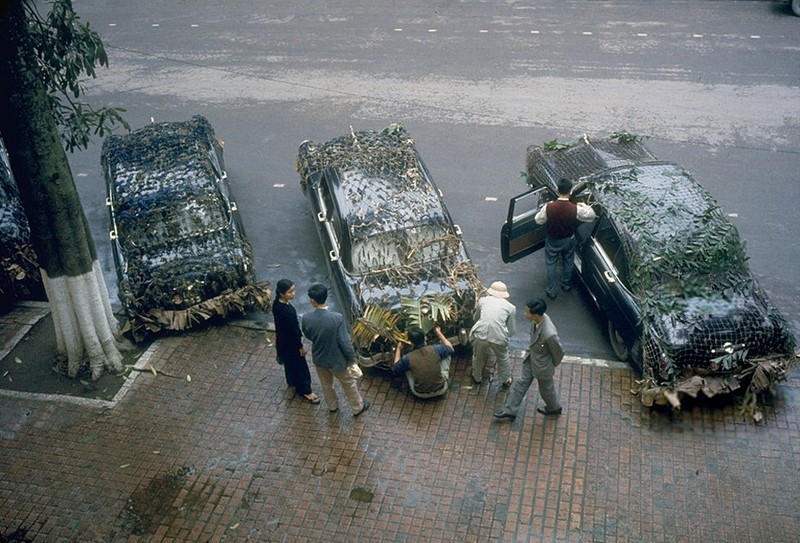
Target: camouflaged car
(19,269)
(394,256)
(180,250)
(665,266)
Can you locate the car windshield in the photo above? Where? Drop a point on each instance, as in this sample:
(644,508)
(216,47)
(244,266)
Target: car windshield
(401,248)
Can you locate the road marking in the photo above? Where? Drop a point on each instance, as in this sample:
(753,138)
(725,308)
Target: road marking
(642,34)
(278,185)
(593,362)
(431,30)
(534,32)
(491,198)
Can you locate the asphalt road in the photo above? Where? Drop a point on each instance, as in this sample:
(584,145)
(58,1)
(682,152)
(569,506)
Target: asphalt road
(714,84)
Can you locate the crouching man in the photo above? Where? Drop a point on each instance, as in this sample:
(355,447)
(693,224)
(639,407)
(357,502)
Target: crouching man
(427,367)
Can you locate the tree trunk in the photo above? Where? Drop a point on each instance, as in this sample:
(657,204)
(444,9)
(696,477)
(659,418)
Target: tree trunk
(86,330)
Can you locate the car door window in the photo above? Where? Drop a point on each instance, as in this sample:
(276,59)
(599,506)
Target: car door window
(608,240)
(520,235)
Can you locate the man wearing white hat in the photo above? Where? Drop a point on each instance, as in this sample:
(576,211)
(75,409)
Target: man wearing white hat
(495,323)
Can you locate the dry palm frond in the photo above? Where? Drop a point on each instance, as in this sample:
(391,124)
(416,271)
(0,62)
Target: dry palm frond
(229,302)
(375,323)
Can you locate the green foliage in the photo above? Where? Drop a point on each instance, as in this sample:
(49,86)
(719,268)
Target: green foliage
(67,49)
(429,311)
(555,145)
(624,137)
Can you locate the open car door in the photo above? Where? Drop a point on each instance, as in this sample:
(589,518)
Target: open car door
(520,235)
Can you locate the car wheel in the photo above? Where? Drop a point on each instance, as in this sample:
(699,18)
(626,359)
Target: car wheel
(796,7)
(618,343)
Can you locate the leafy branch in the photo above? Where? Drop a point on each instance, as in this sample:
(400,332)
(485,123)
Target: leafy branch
(67,49)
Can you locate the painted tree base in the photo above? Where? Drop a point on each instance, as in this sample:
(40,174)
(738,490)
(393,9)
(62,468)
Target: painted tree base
(87,332)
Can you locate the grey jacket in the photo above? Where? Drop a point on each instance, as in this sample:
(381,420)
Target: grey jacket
(331,346)
(546,351)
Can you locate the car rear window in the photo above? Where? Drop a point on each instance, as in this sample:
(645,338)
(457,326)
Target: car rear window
(409,247)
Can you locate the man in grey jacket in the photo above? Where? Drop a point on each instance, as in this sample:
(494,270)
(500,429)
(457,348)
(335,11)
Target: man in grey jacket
(331,351)
(544,354)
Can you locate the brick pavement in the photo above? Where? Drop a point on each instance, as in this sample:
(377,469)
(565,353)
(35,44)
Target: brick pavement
(231,456)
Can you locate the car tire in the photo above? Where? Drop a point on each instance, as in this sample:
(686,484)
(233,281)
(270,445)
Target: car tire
(618,345)
(796,7)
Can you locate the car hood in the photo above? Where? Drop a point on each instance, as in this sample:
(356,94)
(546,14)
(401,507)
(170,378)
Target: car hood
(185,273)
(708,329)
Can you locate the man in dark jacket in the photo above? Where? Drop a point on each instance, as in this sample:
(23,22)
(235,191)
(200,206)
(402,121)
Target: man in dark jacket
(427,367)
(331,351)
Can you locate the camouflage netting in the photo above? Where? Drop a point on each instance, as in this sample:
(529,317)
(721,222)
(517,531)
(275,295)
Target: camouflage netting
(185,258)
(19,268)
(578,158)
(687,266)
(399,234)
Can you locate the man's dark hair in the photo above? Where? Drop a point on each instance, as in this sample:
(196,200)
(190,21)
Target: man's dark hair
(537,306)
(318,293)
(564,186)
(416,336)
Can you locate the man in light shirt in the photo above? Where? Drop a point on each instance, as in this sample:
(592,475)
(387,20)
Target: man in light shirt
(562,218)
(494,324)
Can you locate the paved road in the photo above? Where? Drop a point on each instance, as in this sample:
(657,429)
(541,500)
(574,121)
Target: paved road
(713,83)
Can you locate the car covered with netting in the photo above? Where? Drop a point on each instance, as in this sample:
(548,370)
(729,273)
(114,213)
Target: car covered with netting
(395,258)
(664,264)
(180,250)
(19,269)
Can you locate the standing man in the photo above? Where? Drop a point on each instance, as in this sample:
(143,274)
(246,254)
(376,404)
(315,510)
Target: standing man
(427,367)
(562,218)
(331,351)
(495,323)
(544,354)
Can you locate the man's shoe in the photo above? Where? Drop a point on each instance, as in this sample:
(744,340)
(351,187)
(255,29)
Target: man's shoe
(334,410)
(566,289)
(366,406)
(548,411)
(502,415)
(475,380)
(551,296)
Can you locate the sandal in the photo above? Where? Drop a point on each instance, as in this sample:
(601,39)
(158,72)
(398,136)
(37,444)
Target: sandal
(311,397)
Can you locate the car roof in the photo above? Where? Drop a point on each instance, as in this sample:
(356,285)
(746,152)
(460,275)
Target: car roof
(380,182)
(154,159)
(582,157)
